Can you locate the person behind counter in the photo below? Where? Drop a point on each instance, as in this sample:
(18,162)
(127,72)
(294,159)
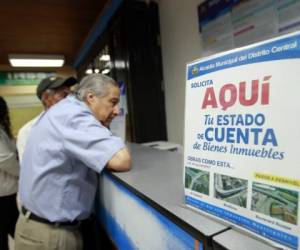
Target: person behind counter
(50,91)
(68,145)
(9,173)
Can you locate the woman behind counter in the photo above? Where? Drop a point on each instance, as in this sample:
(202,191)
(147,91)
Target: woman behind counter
(9,173)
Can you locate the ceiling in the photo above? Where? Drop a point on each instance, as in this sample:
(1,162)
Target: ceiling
(46,27)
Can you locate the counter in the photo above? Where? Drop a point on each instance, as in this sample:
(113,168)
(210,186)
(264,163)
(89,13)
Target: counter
(144,208)
(234,240)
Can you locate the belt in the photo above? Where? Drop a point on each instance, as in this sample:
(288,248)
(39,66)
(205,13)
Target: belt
(42,220)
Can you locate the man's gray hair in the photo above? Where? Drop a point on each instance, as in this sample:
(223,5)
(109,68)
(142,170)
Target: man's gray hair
(95,83)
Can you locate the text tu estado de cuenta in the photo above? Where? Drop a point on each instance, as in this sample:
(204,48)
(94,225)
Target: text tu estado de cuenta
(243,134)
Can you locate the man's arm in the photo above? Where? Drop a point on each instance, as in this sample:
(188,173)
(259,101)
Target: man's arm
(120,162)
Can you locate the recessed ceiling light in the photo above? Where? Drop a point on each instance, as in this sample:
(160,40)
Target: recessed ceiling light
(36,60)
(105,71)
(105,58)
(89,71)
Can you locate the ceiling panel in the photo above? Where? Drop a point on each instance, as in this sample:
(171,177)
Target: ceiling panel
(46,26)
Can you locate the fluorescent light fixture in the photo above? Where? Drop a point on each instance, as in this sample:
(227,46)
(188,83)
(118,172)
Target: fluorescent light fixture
(96,71)
(105,58)
(120,64)
(36,60)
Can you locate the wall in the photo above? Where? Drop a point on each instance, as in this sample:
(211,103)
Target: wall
(181,43)
(22,100)
(22,108)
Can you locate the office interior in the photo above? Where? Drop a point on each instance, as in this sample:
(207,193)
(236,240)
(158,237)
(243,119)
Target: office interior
(146,45)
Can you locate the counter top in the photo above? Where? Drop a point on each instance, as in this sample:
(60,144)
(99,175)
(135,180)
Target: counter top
(157,177)
(234,240)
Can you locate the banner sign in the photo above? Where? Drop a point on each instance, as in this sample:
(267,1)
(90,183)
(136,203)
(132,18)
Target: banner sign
(209,10)
(228,24)
(23,78)
(241,159)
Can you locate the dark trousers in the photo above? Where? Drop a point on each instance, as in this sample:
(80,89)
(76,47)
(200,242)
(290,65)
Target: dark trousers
(8,217)
(94,236)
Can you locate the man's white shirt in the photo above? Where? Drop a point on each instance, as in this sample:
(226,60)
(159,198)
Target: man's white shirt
(23,135)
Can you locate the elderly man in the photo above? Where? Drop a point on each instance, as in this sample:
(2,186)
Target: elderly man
(50,91)
(69,144)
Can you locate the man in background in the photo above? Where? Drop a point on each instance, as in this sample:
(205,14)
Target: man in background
(50,91)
